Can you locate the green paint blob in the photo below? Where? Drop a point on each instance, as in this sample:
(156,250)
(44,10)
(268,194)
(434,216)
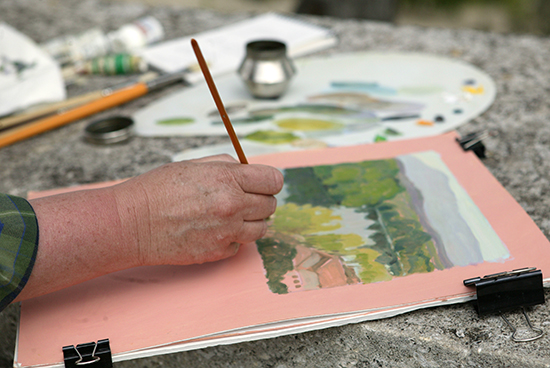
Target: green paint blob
(380,138)
(308,124)
(272,137)
(176,121)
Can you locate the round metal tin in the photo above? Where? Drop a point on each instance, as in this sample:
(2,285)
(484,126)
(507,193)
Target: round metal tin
(109,131)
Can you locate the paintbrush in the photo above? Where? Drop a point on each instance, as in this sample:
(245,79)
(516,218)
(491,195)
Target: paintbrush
(118,97)
(62,106)
(218,101)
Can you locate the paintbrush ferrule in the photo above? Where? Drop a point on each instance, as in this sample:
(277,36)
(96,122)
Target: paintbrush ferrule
(165,80)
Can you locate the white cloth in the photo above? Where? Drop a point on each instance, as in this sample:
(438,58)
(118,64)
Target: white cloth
(28,75)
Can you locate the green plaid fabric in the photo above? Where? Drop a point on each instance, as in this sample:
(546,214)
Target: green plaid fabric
(18,246)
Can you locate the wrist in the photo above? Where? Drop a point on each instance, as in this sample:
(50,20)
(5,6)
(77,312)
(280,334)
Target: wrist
(133,215)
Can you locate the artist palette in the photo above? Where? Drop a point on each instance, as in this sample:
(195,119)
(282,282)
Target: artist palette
(332,101)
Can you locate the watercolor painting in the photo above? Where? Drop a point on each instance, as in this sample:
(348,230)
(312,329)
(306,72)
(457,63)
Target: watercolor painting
(372,221)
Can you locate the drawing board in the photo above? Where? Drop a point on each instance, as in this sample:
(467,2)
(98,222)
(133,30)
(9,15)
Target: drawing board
(360,233)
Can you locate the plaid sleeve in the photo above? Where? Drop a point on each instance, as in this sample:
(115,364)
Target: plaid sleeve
(18,246)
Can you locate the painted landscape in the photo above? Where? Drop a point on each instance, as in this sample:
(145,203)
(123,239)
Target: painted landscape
(372,221)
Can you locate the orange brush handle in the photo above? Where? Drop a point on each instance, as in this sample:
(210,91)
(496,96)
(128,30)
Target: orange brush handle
(218,101)
(36,127)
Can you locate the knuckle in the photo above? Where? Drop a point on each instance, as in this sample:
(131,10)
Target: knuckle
(226,208)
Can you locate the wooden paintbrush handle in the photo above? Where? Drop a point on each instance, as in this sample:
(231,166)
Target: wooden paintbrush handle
(218,101)
(33,128)
(49,109)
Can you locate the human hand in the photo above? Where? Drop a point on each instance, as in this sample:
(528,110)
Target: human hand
(198,210)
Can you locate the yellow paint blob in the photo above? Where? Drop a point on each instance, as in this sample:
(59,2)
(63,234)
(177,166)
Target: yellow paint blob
(307,124)
(474,90)
(425,122)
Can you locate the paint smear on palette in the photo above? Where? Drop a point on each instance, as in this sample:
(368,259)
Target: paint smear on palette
(372,221)
(272,137)
(231,108)
(364,101)
(378,89)
(243,121)
(308,124)
(305,108)
(368,87)
(176,121)
(421,90)
(392,132)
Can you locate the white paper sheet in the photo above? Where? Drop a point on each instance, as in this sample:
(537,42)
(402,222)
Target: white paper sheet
(224,48)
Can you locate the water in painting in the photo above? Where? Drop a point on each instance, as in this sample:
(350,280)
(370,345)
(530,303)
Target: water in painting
(372,221)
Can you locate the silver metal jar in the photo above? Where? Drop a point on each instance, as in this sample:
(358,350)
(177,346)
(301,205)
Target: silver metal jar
(266,69)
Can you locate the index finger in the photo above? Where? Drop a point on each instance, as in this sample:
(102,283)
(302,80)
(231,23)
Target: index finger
(259,179)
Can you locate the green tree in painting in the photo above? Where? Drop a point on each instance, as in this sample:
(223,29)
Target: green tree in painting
(401,242)
(305,187)
(362,185)
(303,220)
(371,269)
(277,257)
(369,187)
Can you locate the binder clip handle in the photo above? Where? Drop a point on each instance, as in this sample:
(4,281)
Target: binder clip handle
(89,355)
(473,142)
(539,332)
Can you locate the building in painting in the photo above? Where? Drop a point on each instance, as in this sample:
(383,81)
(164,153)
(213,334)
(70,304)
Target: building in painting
(315,269)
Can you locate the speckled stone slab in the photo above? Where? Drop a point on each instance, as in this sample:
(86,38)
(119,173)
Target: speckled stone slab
(518,149)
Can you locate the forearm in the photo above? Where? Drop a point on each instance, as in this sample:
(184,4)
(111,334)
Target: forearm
(81,236)
(180,213)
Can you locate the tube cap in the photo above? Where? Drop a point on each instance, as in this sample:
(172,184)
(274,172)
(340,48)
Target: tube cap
(110,130)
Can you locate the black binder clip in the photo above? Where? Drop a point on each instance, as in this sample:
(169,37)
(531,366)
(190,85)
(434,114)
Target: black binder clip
(90,354)
(509,290)
(472,142)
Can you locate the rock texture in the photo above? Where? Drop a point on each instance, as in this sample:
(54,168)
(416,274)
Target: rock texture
(518,156)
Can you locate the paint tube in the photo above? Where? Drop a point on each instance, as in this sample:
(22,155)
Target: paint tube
(138,34)
(115,64)
(95,43)
(72,48)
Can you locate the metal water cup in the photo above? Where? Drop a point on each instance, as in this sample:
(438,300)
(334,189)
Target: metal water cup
(266,69)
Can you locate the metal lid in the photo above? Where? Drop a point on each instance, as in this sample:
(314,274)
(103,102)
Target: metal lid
(108,131)
(265,49)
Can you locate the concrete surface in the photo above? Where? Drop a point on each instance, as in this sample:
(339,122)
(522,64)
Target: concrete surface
(519,157)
